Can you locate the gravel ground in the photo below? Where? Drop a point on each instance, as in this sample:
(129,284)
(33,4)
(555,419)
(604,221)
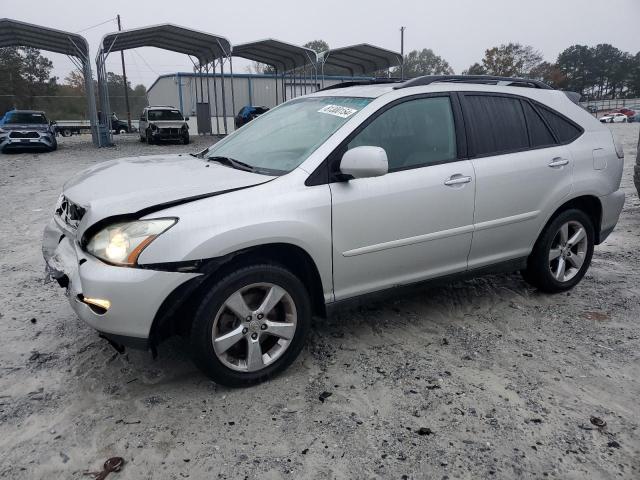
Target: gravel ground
(481,379)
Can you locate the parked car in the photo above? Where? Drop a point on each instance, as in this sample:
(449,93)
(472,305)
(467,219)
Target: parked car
(162,123)
(248,113)
(329,200)
(614,118)
(27,129)
(121,126)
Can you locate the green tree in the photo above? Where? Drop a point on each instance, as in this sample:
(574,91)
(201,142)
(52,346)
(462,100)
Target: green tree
(511,60)
(317,46)
(423,62)
(633,82)
(137,97)
(576,64)
(549,73)
(11,81)
(25,75)
(475,69)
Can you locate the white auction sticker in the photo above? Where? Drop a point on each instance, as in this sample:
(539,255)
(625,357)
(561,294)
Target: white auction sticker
(338,111)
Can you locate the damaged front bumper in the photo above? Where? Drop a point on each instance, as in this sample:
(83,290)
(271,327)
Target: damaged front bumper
(134,294)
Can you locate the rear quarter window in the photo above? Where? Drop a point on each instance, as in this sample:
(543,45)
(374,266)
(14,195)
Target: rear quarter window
(564,129)
(539,132)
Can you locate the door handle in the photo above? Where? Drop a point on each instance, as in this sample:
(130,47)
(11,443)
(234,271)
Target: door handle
(558,162)
(456,179)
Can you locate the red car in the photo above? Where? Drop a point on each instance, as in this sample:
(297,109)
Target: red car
(627,111)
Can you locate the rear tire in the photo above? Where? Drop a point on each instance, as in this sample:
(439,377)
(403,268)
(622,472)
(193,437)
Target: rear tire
(252,344)
(562,254)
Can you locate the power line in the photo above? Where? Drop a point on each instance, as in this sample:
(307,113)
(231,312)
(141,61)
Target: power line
(145,62)
(96,25)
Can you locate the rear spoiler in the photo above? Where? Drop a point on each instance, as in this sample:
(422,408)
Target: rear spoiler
(573,96)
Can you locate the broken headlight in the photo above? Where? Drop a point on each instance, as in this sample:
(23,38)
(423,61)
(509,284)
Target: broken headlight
(122,243)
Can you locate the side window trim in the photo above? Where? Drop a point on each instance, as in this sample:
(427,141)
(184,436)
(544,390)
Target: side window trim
(325,172)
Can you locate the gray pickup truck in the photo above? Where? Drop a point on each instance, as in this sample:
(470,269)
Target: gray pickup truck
(27,129)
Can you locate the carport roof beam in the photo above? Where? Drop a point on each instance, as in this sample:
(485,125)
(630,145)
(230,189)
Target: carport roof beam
(280,55)
(361,59)
(203,46)
(14,33)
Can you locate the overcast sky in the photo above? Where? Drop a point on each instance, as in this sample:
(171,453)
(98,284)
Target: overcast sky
(458,30)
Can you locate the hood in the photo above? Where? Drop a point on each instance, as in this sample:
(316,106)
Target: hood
(167,123)
(130,185)
(38,127)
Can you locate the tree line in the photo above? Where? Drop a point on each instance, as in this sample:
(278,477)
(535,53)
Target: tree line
(599,72)
(26,83)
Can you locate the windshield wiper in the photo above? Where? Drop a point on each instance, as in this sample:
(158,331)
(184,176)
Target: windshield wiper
(230,162)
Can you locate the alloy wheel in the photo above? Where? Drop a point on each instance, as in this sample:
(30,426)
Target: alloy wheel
(254,327)
(568,251)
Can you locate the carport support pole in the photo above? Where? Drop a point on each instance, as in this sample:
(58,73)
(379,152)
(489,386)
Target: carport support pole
(233,98)
(284,88)
(224,98)
(276,77)
(124,80)
(209,93)
(215,98)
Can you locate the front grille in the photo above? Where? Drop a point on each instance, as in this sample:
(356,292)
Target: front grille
(24,135)
(170,131)
(69,212)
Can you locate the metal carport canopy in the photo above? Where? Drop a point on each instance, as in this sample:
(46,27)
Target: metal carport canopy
(361,59)
(280,55)
(205,47)
(14,33)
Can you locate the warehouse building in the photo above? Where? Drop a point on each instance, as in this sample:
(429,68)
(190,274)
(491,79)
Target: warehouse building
(179,90)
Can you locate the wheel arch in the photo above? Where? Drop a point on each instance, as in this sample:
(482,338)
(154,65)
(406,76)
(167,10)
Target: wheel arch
(177,311)
(589,204)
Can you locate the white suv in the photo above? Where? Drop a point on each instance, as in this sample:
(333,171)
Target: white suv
(329,198)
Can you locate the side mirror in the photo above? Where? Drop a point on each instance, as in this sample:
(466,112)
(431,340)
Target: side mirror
(186,119)
(364,162)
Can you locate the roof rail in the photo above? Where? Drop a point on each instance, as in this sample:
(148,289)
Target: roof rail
(483,79)
(355,83)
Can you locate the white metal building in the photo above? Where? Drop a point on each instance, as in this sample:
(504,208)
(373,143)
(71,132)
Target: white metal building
(179,90)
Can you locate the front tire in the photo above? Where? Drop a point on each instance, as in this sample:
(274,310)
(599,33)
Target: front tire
(562,254)
(149,137)
(251,325)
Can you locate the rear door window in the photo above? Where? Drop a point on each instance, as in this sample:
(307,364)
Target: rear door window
(495,124)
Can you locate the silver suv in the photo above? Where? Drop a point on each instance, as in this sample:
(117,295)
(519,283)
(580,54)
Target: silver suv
(162,123)
(327,200)
(27,129)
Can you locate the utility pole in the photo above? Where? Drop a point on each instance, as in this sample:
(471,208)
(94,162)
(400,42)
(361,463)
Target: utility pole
(124,79)
(402,52)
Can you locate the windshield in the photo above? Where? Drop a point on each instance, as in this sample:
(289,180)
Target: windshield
(25,117)
(282,138)
(164,115)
